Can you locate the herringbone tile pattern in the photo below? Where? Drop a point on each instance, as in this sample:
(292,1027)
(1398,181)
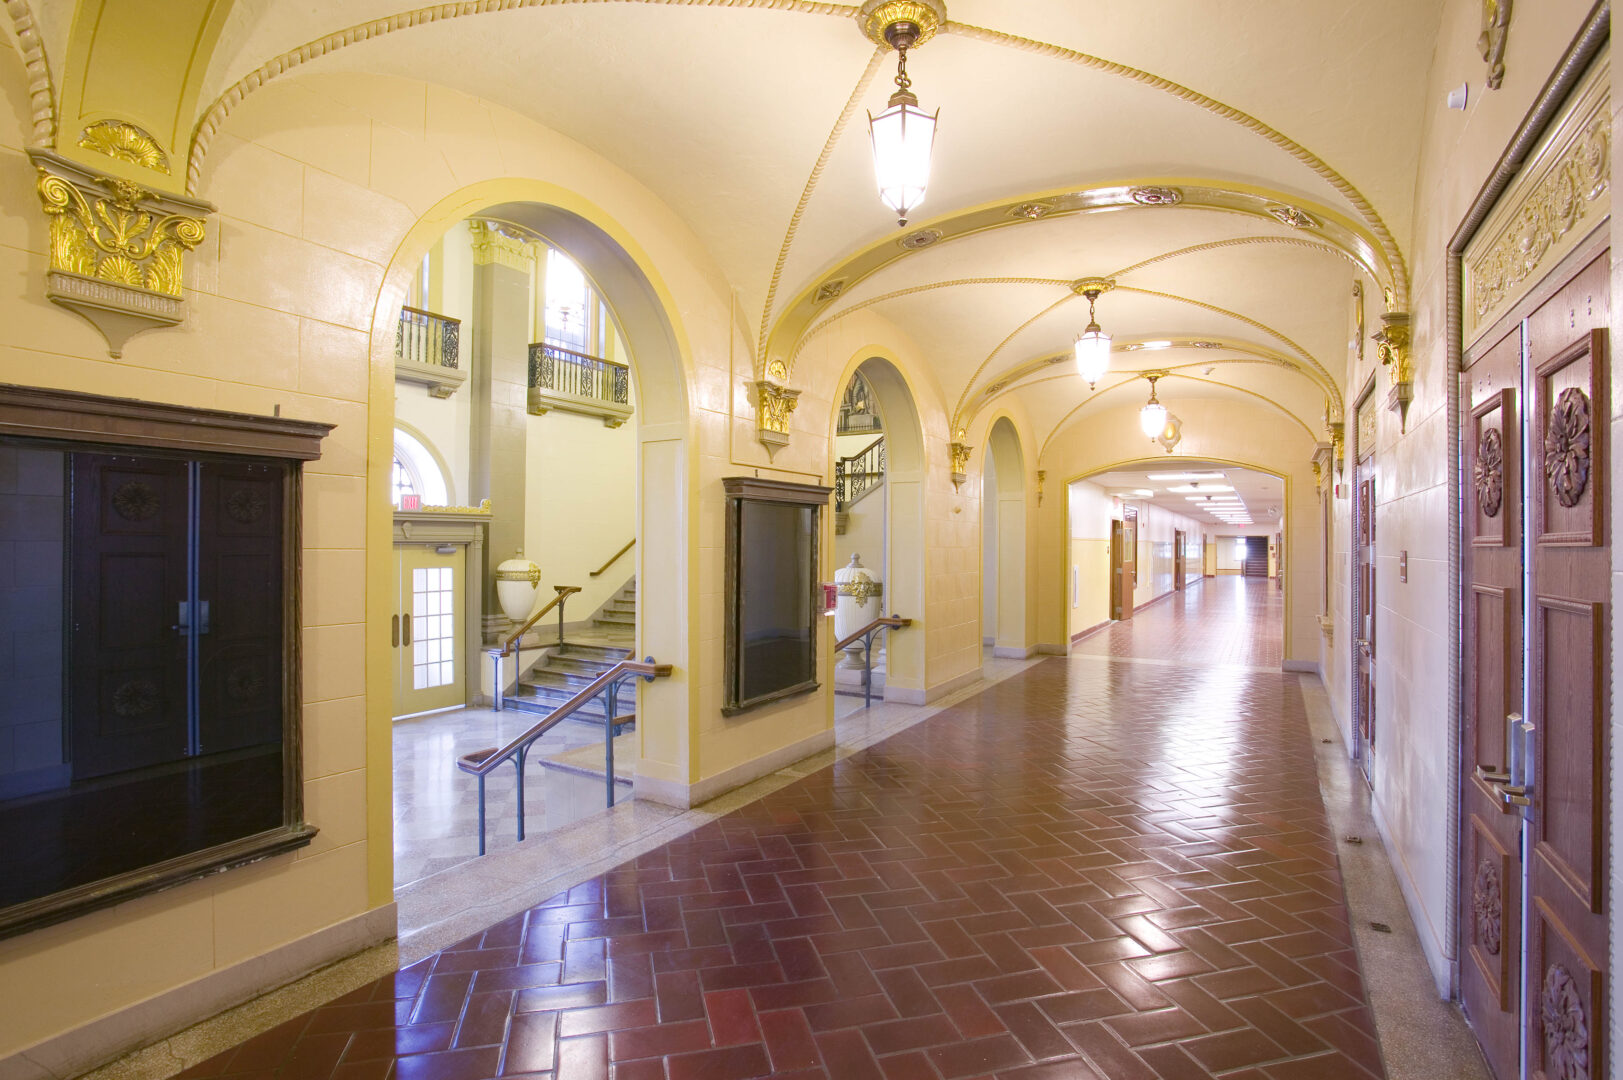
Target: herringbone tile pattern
(1221,620)
(1091,870)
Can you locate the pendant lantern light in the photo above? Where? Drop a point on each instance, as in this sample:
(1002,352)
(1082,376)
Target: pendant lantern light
(904,134)
(1092,347)
(1152,418)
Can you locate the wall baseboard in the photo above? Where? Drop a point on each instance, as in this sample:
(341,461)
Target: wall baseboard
(1049,648)
(685,796)
(1014,652)
(144,1023)
(1310,667)
(1090,631)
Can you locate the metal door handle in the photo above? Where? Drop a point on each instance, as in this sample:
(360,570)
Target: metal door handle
(394,632)
(405,626)
(1491,776)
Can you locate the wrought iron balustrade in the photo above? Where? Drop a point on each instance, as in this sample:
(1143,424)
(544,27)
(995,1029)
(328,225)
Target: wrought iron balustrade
(422,337)
(858,474)
(562,378)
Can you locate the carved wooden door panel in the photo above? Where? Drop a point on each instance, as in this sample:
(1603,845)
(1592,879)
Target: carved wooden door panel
(1490,844)
(1568,698)
(127,687)
(239,596)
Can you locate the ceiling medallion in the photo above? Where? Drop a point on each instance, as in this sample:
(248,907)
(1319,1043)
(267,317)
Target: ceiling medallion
(1096,285)
(1031,211)
(1294,217)
(923,238)
(878,16)
(1207,344)
(828,290)
(1157,196)
(994,388)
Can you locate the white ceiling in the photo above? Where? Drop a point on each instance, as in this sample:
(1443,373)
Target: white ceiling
(1261,494)
(723,112)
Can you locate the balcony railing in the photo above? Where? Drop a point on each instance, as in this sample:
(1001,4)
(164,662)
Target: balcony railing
(427,350)
(572,381)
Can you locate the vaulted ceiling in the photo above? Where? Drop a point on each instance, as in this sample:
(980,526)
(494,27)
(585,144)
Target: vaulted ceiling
(1234,167)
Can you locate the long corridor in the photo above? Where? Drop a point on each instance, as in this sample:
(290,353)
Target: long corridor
(1100,867)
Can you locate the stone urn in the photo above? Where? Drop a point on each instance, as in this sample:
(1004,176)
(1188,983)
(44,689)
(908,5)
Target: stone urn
(517,582)
(860,602)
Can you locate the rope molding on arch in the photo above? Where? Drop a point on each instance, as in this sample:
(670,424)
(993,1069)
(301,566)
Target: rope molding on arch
(805,198)
(41,93)
(1366,210)
(209,125)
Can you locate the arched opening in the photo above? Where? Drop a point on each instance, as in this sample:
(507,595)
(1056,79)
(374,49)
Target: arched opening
(1142,532)
(553,336)
(1003,543)
(878,450)
(418,471)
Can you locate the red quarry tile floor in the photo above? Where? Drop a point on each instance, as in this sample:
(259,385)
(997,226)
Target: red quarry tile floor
(1090,870)
(1222,620)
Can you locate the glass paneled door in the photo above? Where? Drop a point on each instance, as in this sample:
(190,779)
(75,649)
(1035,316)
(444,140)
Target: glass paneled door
(428,629)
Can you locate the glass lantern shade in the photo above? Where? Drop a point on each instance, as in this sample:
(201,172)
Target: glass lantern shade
(1152,418)
(903,139)
(1092,354)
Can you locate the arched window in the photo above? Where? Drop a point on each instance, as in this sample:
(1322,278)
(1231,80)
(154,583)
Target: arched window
(416,472)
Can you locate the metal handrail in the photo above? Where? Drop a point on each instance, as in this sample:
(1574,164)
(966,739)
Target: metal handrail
(431,314)
(866,636)
(564,593)
(481,763)
(615,558)
(864,451)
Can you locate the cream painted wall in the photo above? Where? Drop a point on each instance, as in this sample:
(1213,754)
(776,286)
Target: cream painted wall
(1157,531)
(1088,575)
(580,506)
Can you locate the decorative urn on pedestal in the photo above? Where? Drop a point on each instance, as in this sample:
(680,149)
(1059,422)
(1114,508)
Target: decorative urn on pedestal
(517,582)
(852,610)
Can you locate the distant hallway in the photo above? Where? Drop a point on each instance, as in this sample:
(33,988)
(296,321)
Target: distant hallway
(1091,869)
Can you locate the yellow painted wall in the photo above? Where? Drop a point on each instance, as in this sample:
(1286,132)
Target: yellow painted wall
(1088,573)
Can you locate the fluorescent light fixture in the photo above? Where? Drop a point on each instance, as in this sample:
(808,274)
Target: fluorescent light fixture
(1200,489)
(1146,492)
(1186,475)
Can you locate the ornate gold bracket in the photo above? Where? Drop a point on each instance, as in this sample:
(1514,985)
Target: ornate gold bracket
(1338,446)
(774,405)
(958,454)
(1042,474)
(117,249)
(1392,344)
(1323,461)
(1491,42)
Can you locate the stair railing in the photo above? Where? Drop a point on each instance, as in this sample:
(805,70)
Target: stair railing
(511,644)
(866,636)
(481,763)
(615,557)
(858,474)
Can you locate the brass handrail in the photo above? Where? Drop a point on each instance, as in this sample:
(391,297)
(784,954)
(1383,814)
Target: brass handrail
(864,451)
(481,763)
(564,592)
(579,355)
(894,622)
(484,762)
(431,314)
(615,558)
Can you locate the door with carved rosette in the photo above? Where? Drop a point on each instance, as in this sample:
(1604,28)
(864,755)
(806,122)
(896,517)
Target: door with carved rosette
(1490,826)
(1569,622)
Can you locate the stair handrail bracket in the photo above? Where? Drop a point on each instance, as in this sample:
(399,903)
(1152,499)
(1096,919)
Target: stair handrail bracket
(481,763)
(866,636)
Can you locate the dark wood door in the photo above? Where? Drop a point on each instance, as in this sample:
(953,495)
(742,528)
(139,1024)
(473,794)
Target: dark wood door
(1177,560)
(1490,845)
(239,595)
(1119,587)
(127,687)
(1568,699)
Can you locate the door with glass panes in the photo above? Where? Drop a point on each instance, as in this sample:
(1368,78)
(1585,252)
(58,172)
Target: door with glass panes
(426,630)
